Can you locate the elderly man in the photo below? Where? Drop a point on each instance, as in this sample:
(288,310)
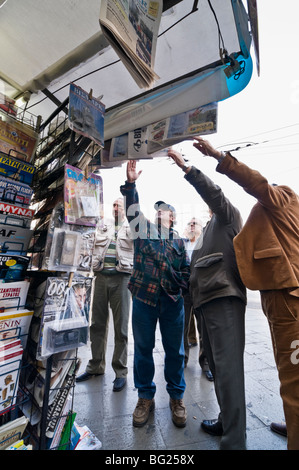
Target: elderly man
(160,277)
(267,251)
(219,299)
(112,265)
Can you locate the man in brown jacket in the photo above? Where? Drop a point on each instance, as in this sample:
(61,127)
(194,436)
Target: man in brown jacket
(267,252)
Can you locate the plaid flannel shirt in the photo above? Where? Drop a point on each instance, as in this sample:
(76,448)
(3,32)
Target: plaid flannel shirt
(161,262)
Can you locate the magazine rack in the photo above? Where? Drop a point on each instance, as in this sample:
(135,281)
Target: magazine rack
(46,378)
(49,379)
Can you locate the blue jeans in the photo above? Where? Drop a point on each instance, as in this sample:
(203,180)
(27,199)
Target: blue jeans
(144,320)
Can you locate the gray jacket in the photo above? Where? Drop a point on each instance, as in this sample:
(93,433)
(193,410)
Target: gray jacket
(214,271)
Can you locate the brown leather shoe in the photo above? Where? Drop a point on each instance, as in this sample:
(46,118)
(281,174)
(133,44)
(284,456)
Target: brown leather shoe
(142,411)
(179,414)
(279,428)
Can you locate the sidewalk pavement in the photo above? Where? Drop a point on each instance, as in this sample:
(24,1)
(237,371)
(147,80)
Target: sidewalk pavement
(108,414)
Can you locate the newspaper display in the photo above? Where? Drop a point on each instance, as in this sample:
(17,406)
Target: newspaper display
(83,197)
(57,407)
(65,315)
(131,28)
(86,115)
(18,139)
(154,140)
(183,126)
(133,146)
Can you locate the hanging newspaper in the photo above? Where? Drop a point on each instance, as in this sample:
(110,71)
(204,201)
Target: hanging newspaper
(131,28)
(86,115)
(133,146)
(183,126)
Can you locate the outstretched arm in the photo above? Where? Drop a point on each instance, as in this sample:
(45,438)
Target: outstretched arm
(206,188)
(251,180)
(206,148)
(137,220)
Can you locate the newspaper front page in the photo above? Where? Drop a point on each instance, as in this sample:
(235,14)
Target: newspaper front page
(131,28)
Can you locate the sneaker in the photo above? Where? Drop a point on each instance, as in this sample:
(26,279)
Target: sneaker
(179,414)
(142,411)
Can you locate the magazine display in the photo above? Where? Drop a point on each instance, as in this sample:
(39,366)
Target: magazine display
(67,247)
(8,105)
(11,352)
(15,215)
(86,439)
(86,115)
(13,267)
(14,239)
(83,197)
(16,169)
(13,294)
(15,192)
(12,432)
(131,28)
(15,323)
(65,316)
(17,138)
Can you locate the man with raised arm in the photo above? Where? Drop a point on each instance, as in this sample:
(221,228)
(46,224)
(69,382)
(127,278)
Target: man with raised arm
(159,279)
(267,251)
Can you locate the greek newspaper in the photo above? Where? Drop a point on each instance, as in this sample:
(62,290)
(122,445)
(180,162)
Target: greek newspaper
(131,28)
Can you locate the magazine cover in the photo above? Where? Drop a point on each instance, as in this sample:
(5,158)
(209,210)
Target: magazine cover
(83,197)
(13,267)
(86,114)
(65,316)
(8,105)
(14,239)
(15,324)
(22,213)
(12,431)
(16,169)
(10,361)
(15,192)
(131,28)
(18,139)
(14,220)
(13,295)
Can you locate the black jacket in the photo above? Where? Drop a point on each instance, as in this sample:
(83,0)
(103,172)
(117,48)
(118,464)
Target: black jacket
(214,271)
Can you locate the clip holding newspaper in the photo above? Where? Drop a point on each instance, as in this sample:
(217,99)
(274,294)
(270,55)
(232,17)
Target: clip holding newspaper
(131,28)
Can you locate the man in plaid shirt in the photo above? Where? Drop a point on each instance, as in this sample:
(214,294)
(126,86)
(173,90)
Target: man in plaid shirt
(160,278)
